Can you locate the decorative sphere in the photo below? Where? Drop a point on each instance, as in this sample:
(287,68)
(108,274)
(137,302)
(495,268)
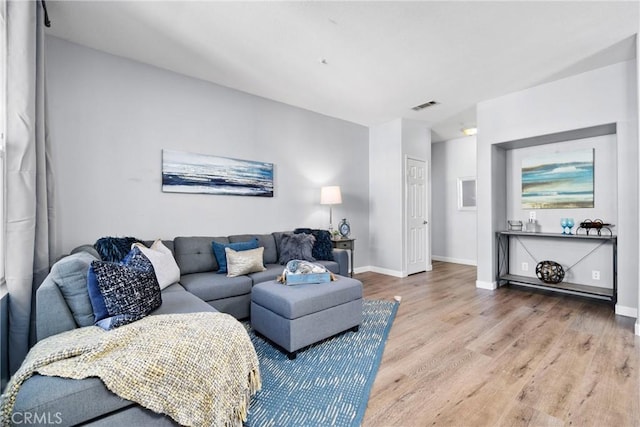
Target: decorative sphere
(550,272)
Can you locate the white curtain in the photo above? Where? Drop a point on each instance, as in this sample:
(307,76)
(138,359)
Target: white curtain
(29,181)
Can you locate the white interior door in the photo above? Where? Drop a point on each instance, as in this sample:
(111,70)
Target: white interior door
(417,231)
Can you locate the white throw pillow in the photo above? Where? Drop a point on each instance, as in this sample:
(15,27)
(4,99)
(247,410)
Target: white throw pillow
(165,266)
(240,263)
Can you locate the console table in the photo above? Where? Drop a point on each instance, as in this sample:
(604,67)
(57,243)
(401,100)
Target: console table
(504,277)
(345,244)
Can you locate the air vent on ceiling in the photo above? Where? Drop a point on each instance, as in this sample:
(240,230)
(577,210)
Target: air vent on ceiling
(425,105)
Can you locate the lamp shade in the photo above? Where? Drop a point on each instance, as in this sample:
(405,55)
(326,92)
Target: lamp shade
(330,195)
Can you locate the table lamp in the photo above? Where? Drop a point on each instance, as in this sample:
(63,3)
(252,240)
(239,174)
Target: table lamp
(330,196)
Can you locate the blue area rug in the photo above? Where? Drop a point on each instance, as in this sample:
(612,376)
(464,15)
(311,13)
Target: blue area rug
(328,384)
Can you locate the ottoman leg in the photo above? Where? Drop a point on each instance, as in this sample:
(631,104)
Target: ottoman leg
(292,355)
(355,328)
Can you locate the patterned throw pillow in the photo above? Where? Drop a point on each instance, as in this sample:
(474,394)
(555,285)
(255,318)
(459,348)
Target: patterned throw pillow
(221,256)
(296,246)
(114,249)
(130,290)
(322,248)
(240,263)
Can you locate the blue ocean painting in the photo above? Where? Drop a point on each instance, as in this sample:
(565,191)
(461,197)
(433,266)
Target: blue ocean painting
(184,172)
(558,180)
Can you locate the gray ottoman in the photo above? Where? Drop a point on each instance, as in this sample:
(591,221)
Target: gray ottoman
(296,316)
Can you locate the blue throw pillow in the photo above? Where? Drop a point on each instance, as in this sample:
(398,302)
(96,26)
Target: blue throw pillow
(322,248)
(129,290)
(97,301)
(221,256)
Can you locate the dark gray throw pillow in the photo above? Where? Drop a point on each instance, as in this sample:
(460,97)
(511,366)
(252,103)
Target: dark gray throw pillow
(323,247)
(296,246)
(130,290)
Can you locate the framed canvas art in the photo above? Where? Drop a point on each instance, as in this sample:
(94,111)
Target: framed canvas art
(184,172)
(558,180)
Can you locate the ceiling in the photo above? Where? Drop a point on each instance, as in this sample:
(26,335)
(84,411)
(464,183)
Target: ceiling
(365,62)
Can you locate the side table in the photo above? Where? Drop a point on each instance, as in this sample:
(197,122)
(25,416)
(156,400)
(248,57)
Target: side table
(345,244)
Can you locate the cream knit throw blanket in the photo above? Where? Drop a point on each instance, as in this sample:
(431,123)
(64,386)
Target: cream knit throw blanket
(199,368)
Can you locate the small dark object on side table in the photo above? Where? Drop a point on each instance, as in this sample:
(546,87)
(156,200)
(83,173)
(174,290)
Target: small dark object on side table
(587,225)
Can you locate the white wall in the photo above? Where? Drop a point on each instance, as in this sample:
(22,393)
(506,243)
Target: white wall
(385,206)
(453,231)
(389,145)
(605,95)
(111,117)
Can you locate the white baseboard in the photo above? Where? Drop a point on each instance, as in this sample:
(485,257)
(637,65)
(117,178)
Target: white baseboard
(486,285)
(626,311)
(365,269)
(638,327)
(454,260)
(385,271)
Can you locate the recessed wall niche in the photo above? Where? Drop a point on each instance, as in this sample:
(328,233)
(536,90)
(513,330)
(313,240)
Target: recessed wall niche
(508,156)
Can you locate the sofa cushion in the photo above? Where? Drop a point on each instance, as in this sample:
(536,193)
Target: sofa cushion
(271,272)
(211,286)
(70,275)
(221,255)
(194,254)
(174,301)
(296,246)
(267,241)
(244,262)
(76,401)
(176,287)
(130,290)
(332,266)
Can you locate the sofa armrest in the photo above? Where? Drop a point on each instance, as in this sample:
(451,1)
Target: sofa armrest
(341,256)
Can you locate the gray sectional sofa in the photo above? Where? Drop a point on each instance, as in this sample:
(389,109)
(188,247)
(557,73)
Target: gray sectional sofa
(201,288)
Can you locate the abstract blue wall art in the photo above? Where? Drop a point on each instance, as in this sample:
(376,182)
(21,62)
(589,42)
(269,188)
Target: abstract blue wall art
(558,180)
(199,173)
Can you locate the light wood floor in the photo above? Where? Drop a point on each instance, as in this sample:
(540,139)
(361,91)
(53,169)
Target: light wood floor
(461,356)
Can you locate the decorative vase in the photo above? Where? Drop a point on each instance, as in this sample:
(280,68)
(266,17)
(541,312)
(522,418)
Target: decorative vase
(563,224)
(570,225)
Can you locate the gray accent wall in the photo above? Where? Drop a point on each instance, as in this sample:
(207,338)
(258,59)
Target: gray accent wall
(111,117)
(599,97)
(453,231)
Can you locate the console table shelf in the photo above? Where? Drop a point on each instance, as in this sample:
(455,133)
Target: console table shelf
(504,277)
